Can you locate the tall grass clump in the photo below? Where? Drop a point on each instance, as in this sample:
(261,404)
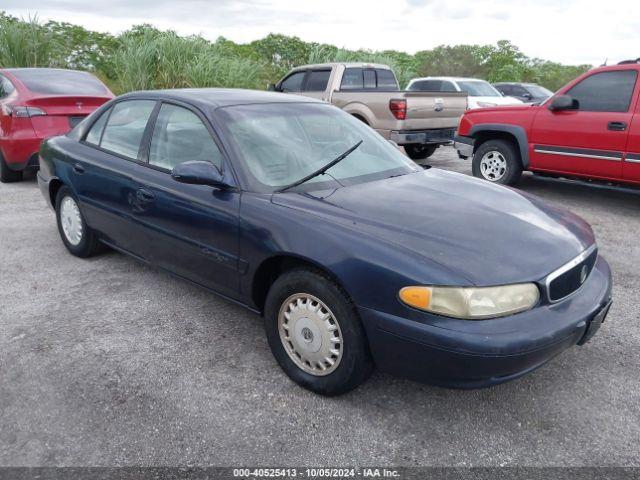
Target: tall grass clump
(26,43)
(135,62)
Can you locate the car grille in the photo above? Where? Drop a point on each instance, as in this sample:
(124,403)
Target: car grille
(570,277)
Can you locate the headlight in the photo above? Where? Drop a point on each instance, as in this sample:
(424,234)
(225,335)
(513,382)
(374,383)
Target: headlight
(472,303)
(487,104)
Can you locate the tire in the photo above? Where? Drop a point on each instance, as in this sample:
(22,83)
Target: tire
(79,239)
(6,174)
(315,296)
(497,161)
(419,151)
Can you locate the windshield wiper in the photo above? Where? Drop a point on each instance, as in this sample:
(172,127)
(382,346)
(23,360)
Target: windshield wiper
(320,171)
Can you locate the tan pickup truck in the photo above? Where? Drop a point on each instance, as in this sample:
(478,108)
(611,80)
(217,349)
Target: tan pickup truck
(419,121)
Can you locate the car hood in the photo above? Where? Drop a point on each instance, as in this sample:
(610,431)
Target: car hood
(495,100)
(487,234)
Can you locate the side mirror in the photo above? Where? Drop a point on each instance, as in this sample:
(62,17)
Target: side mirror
(199,173)
(563,102)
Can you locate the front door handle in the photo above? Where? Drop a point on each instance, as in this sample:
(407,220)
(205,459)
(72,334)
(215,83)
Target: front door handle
(144,195)
(617,126)
(78,168)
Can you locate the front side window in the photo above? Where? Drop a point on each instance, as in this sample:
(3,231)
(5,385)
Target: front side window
(95,134)
(292,83)
(317,81)
(278,144)
(180,136)
(605,91)
(125,127)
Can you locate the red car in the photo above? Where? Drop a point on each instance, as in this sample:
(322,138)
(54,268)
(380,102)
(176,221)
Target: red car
(589,129)
(36,103)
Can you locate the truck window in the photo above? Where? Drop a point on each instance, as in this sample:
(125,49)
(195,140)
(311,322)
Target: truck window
(386,79)
(317,81)
(352,79)
(369,79)
(605,91)
(293,82)
(447,87)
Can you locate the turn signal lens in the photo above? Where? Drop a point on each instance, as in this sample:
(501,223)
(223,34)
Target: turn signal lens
(418,297)
(472,303)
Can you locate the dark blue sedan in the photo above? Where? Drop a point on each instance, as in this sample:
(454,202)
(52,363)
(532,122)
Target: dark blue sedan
(354,255)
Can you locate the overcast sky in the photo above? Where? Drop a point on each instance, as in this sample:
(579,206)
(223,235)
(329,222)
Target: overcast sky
(568,31)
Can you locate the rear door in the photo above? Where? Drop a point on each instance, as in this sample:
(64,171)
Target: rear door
(193,229)
(589,141)
(105,171)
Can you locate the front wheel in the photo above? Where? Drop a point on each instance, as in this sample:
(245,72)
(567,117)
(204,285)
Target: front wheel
(419,151)
(76,235)
(315,334)
(498,162)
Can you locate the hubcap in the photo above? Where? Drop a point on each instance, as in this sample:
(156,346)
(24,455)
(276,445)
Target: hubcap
(493,166)
(310,334)
(71,220)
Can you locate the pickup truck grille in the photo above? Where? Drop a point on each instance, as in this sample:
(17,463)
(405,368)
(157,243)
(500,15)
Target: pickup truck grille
(570,277)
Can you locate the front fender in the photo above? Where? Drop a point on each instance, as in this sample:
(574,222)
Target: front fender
(518,133)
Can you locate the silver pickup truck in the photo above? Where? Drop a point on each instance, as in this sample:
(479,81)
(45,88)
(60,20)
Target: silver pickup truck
(419,121)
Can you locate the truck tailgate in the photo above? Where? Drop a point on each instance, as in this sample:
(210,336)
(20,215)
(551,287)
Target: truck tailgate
(427,110)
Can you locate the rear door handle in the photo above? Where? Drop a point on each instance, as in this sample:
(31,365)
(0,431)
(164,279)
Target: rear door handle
(78,168)
(617,126)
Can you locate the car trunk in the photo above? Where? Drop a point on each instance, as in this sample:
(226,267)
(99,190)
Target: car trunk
(62,112)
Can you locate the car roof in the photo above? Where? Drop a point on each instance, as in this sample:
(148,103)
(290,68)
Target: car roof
(220,97)
(346,64)
(454,79)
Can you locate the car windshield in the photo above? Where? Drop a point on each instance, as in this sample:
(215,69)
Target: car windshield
(479,88)
(281,143)
(60,82)
(538,91)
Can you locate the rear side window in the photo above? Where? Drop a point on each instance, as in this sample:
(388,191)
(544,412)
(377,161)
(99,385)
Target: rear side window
(180,136)
(386,79)
(292,83)
(605,91)
(352,79)
(6,87)
(95,133)
(60,82)
(317,81)
(126,126)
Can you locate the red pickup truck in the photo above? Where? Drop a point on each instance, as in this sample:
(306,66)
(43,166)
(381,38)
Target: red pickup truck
(589,129)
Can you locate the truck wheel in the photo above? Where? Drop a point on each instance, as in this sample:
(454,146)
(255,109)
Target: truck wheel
(315,333)
(497,161)
(419,152)
(6,174)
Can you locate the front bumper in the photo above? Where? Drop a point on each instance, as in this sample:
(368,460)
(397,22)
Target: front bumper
(475,354)
(464,146)
(437,136)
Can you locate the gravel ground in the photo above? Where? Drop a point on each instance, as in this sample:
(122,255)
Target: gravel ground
(109,362)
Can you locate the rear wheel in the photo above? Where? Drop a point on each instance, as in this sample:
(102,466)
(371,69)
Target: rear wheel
(6,174)
(315,333)
(419,151)
(498,162)
(76,235)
